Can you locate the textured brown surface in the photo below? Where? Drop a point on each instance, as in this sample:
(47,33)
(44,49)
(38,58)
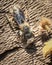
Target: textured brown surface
(10,51)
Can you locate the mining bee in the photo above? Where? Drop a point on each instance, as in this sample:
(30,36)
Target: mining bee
(26,33)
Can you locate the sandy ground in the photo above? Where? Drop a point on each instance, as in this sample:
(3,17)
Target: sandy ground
(11,52)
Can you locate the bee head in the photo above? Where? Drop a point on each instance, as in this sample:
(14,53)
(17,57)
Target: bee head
(24,25)
(26,29)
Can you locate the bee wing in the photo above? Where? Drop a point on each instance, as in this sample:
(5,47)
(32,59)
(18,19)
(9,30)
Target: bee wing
(19,16)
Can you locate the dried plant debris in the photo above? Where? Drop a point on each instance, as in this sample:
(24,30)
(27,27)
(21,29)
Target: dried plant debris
(45,24)
(47,49)
(46,30)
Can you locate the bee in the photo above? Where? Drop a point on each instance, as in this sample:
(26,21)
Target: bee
(23,25)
